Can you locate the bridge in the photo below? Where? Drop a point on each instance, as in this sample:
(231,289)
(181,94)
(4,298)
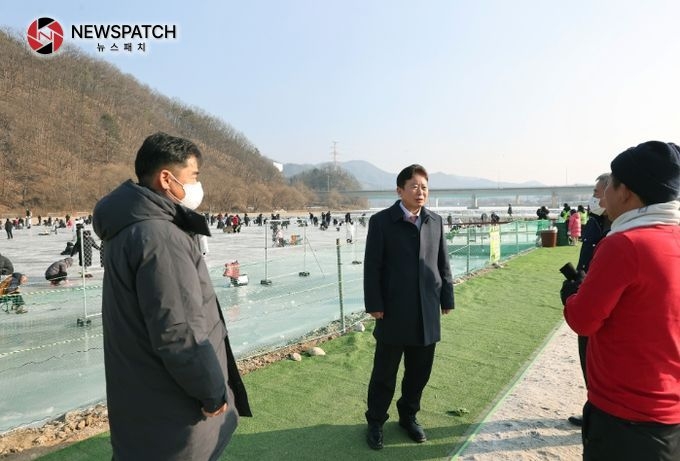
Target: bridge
(557,194)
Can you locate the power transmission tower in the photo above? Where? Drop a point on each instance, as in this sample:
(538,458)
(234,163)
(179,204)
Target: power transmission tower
(335,155)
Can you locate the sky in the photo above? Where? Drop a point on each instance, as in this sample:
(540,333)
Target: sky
(510,91)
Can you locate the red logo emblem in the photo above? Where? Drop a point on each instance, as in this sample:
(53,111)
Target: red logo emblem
(45,35)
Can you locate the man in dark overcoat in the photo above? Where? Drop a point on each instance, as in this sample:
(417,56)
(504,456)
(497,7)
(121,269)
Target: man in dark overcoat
(6,266)
(407,286)
(173,389)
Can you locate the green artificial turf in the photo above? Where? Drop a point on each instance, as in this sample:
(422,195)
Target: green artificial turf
(314,409)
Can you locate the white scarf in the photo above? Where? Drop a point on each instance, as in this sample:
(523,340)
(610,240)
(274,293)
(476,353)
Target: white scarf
(651,215)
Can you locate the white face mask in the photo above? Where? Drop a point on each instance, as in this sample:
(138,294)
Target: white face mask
(193,194)
(595,207)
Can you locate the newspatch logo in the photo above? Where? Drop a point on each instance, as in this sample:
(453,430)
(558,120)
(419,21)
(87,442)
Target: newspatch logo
(45,35)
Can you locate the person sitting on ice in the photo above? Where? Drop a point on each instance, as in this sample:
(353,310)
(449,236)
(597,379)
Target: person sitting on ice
(68,249)
(233,272)
(9,291)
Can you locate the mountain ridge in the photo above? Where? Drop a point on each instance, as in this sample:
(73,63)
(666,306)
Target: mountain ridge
(371,177)
(70,127)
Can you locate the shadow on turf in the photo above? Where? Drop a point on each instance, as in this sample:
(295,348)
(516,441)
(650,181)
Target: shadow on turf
(340,442)
(348,442)
(336,442)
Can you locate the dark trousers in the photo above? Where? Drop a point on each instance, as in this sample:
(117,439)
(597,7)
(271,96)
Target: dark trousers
(606,437)
(582,350)
(58,277)
(417,368)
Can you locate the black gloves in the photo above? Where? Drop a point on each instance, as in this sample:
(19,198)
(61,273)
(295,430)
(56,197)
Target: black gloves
(569,287)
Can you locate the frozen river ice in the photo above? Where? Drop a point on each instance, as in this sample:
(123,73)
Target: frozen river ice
(49,364)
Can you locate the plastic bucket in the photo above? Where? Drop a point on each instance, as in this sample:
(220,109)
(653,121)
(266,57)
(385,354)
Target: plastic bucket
(549,238)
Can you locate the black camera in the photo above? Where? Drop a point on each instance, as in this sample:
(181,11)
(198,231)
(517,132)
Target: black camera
(569,272)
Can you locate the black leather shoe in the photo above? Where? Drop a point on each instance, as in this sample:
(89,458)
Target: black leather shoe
(374,436)
(415,430)
(576,420)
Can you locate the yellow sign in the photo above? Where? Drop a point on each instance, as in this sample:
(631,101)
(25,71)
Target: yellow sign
(494,243)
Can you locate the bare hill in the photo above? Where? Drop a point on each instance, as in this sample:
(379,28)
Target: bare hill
(70,126)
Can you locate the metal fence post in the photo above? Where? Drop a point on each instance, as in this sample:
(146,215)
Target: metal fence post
(304,272)
(265,281)
(342,307)
(80,232)
(467,266)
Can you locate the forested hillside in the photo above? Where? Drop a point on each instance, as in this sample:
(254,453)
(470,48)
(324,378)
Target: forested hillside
(70,126)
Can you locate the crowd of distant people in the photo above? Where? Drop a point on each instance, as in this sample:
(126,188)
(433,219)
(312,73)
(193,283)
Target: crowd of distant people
(57,272)
(232,224)
(575,219)
(83,243)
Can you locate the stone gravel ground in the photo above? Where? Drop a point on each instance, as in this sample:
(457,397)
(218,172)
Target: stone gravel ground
(530,422)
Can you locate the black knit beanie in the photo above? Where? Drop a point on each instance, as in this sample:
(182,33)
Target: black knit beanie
(651,170)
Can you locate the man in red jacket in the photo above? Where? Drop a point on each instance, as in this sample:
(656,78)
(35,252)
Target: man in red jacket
(629,307)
